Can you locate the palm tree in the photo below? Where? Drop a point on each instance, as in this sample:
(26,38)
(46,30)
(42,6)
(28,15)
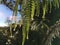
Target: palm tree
(36,17)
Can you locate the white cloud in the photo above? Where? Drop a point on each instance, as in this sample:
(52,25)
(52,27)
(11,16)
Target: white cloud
(2,15)
(12,18)
(2,18)
(3,24)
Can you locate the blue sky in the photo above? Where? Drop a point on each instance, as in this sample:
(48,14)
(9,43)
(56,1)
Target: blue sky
(4,13)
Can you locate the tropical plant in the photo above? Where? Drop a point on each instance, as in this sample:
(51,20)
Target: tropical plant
(35,17)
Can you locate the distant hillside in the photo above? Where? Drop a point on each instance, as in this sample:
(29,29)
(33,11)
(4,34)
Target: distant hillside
(3,28)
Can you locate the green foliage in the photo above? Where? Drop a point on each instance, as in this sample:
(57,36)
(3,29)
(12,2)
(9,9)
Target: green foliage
(32,8)
(0,1)
(35,13)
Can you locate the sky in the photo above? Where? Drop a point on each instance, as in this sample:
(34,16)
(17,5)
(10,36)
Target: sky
(4,13)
